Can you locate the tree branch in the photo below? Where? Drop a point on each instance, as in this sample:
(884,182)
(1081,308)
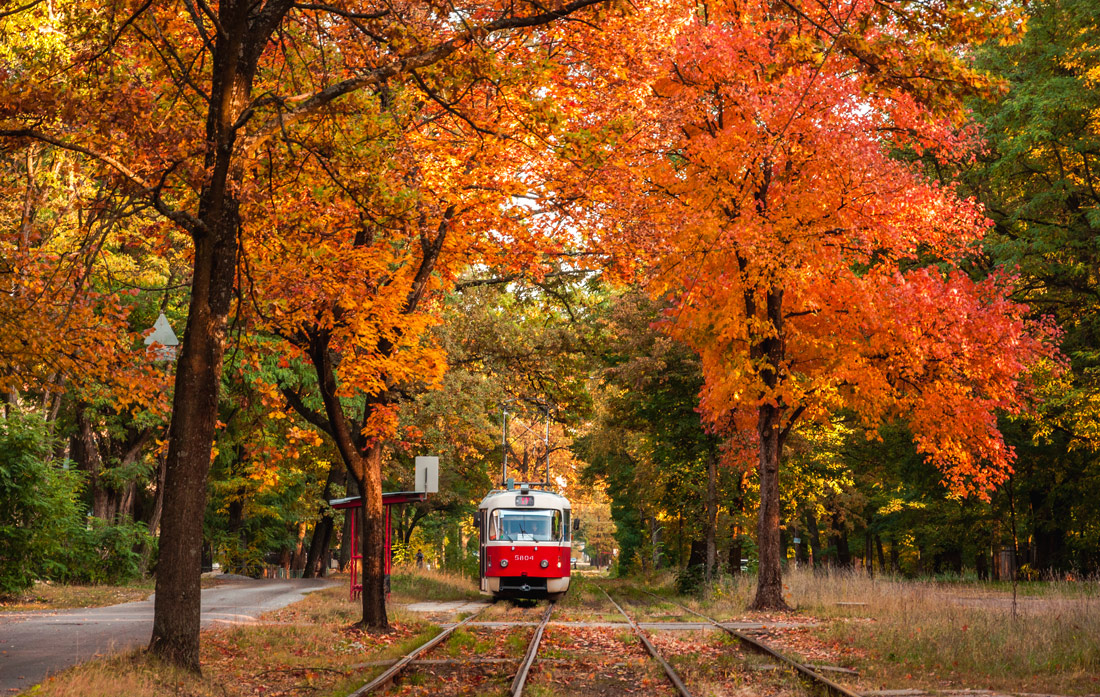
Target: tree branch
(316,101)
(185,220)
(311,415)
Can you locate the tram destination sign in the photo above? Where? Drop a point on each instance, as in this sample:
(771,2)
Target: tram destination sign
(525,500)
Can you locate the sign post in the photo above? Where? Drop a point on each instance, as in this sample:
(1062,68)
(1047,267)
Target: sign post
(427,474)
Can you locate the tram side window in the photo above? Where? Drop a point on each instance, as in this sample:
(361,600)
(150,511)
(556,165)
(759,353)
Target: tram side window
(525,525)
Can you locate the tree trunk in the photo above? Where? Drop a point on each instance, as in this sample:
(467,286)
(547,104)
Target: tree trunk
(802,549)
(198,374)
(326,550)
(771,433)
(735,552)
(194,413)
(712,515)
(769,586)
(373,541)
(813,535)
(352,489)
(298,558)
(868,553)
(840,543)
(85,451)
(881,555)
(322,531)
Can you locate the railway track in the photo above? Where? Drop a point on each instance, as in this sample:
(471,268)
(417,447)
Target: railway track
(515,690)
(670,672)
(808,675)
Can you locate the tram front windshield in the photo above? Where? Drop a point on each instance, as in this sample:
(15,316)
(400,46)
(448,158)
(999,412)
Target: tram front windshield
(525,525)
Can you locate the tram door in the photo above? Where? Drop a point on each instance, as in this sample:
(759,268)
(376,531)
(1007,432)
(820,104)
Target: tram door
(480,523)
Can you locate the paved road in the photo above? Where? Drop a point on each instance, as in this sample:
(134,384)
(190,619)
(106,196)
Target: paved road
(33,644)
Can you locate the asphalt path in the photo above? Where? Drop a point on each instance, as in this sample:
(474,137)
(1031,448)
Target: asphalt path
(35,644)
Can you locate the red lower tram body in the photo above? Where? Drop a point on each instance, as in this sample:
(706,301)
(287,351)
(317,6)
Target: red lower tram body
(525,544)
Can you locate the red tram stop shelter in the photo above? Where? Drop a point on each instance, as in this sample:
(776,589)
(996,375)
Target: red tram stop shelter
(427,482)
(352,504)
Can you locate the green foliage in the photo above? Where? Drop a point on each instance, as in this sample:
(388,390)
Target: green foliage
(648,444)
(1040,185)
(38,503)
(44,532)
(691,580)
(102,553)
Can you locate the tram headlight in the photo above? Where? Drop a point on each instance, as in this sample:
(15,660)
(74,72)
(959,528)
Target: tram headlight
(503,563)
(544,563)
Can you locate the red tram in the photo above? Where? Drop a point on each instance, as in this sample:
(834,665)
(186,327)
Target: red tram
(525,543)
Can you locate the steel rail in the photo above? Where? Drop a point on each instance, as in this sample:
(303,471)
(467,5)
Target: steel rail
(529,659)
(388,675)
(804,670)
(673,677)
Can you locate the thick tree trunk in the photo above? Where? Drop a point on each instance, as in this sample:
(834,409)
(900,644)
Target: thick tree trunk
(194,413)
(712,516)
(769,587)
(771,433)
(373,541)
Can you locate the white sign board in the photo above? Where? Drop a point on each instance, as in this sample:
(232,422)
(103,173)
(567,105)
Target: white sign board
(427,474)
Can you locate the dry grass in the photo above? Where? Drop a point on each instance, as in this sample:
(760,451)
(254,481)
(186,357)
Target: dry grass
(930,634)
(309,648)
(45,595)
(936,635)
(410,585)
(59,596)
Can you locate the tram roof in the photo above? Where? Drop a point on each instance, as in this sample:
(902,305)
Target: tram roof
(518,491)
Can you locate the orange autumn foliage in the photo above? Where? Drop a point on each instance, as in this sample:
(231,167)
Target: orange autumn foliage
(811,267)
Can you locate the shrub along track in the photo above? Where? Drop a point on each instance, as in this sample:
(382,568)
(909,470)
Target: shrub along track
(392,674)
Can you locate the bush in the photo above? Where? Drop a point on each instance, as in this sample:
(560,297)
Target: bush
(691,579)
(39,511)
(102,552)
(44,529)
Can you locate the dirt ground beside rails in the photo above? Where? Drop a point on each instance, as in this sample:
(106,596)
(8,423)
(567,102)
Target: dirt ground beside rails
(589,662)
(807,645)
(516,611)
(474,661)
(712,663)
(645,608)
(454,680)
(225,652)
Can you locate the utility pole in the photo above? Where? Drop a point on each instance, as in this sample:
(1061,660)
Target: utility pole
(547,442)
(504,443)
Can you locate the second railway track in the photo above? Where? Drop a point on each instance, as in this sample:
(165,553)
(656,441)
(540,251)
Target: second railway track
(813,680)
(392,673)
(806,673)
(670,672)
